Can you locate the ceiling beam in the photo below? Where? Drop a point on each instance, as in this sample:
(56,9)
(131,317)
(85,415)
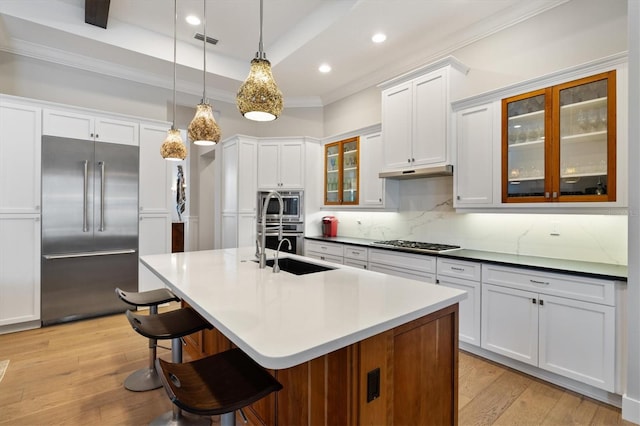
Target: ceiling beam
(96,12)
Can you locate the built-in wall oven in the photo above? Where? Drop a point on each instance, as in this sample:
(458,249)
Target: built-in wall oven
(293,203)
(292,220)
(294,232)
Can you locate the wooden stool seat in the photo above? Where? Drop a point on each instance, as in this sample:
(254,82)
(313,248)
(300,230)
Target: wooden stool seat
(147,298)
(146,379)
(168,325)
(217,384)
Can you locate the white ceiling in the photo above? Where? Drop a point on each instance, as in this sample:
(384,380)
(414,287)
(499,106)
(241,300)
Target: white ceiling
(298,36)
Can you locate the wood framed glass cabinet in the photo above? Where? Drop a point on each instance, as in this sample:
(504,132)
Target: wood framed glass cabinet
(341,172)
(559,143)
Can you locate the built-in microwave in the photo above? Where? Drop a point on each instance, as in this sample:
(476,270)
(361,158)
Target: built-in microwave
(293,205)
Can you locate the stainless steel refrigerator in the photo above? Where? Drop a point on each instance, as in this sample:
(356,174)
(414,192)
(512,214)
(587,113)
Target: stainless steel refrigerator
(89,227)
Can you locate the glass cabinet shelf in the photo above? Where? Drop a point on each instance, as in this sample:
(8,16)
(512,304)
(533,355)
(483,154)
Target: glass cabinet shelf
(341,181)
(559,142)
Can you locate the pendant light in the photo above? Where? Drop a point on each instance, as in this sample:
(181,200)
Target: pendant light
(172,148)
(259,98)
(203,129)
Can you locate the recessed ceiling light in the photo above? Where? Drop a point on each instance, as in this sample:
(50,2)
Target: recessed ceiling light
(192,20)
(378,38)
(325,68)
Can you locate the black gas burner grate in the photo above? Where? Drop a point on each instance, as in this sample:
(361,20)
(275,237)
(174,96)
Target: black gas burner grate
(417,246)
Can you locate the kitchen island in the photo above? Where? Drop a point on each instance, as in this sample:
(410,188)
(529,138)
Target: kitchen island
(349,346)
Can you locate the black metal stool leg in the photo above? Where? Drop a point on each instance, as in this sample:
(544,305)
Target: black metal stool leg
(146,379)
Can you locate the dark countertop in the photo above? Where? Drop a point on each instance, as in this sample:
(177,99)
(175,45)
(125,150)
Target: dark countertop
(575,267)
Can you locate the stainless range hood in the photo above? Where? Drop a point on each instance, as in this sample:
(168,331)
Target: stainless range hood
(425,172)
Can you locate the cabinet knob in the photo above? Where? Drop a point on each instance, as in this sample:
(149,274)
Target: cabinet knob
(555,194)
(458,197)
(408,160)
(546,195)
(91,134)
(97,136)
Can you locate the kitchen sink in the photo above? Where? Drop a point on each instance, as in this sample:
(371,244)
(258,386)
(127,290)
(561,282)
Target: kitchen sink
(298,267)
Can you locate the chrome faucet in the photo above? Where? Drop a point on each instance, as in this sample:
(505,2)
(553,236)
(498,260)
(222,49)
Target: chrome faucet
(276,267)
(262,255)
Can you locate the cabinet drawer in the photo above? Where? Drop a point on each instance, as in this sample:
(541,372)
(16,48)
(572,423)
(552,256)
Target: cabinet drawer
(403,272)
(333,249)
(356,253)
(361,264)
(570,286)
(413,262)
(325,257)
(459,269)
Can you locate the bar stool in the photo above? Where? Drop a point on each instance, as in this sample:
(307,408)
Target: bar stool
(146,379)
(172,325)
(217,384)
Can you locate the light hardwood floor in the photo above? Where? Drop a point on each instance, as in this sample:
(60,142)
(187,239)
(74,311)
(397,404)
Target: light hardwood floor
(72,374)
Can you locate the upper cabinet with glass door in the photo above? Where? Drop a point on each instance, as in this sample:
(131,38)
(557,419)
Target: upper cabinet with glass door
(341,177)
(559,143)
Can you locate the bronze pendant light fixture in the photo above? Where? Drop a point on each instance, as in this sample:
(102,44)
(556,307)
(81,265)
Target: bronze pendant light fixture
(203,129)
(173,148)
(259,98)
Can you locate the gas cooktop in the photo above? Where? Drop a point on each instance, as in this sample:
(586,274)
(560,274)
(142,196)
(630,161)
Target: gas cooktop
(416,246)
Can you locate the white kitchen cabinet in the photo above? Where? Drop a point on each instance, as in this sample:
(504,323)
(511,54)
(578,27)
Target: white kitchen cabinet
(154,237)
(577,340)
(155,200)
(407,265)
(20,138)
(464,275)
(510,323)
(281,164)
(239,191)
(415,116)
(327,251)
(475,140)
(559,323)
(239,165)
(19,271)
(155,172)
(375,192)
(77,125)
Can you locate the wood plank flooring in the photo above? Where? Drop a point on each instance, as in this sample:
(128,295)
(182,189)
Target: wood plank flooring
(72,374)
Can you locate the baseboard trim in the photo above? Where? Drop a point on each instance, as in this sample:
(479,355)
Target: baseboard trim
(630,409)
(21,326)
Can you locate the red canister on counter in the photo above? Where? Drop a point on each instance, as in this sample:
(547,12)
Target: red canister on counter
(329,226)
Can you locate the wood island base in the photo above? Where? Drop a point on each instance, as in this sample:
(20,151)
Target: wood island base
(405,376)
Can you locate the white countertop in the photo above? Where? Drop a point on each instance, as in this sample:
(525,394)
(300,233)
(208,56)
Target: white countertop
(282,320)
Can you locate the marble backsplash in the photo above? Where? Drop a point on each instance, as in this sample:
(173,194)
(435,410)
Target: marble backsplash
(426,214)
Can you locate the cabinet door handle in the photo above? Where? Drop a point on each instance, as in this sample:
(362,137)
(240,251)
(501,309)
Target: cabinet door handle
(546,195)
(541,302)
(539,282)
(555,194)
(455,268)
(533,301)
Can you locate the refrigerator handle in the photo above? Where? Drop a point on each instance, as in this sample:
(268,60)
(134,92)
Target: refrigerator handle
(85,199)
(101,164)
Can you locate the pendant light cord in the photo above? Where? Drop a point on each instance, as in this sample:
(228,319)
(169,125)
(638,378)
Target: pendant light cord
(260,54)
(204,50)
(175,24)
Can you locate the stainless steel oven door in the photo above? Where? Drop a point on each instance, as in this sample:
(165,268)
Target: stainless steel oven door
(296,238)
